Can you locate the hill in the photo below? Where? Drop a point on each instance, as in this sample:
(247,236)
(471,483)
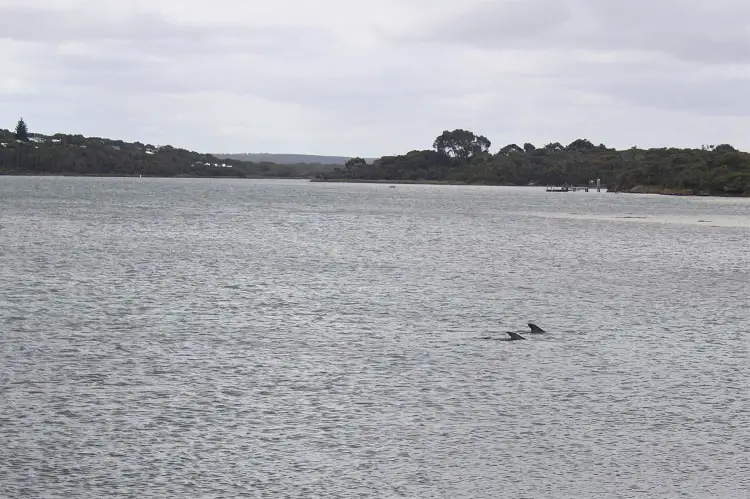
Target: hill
(64,154)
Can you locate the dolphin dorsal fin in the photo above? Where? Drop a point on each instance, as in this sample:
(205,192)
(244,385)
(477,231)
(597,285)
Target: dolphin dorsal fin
(515,336)
(535,329)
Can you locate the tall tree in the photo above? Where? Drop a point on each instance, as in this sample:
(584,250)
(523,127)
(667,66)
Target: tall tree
(581,145)
(510,149)
(22,132)
(353,163)
(461,143)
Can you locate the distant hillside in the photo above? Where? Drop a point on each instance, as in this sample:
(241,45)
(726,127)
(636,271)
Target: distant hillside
(288,159)
(65,154)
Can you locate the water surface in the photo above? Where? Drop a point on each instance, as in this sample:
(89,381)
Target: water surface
(232,338)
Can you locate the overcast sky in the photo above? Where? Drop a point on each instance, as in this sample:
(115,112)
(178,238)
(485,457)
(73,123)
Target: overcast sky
(374,78)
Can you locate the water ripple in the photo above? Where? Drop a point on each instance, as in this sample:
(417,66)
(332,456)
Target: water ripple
(225,338)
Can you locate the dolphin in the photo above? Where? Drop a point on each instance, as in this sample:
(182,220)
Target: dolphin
(536,329)
(514,336)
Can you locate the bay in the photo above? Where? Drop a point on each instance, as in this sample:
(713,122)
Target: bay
(281,338)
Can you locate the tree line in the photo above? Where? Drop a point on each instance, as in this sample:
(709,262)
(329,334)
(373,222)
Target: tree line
(460,156)
(23,152)
(457,156)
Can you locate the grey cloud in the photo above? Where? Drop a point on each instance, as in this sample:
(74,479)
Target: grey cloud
(282,42)
(670,55)
(510,24)
(675,92)
(139,53)
(46,25)
(662,83)
(345,84)
(684,29)
(546,69)
(153,35)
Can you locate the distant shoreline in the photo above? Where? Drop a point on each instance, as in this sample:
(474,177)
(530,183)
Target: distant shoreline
(640,189)
(364,181)
(431,182)
(458,157)
(125,175)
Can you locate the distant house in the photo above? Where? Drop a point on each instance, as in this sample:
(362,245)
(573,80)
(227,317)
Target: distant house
(210,165)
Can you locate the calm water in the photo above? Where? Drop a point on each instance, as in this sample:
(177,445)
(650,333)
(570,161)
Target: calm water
(228,338)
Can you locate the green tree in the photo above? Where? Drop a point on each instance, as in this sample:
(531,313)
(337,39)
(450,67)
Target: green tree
(461,144)
(581,145)
(355,162)
(510,149)
(22,132)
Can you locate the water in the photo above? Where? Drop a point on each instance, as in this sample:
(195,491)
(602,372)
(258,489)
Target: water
(230,338)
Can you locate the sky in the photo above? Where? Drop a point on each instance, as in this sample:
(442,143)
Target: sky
(368,79)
